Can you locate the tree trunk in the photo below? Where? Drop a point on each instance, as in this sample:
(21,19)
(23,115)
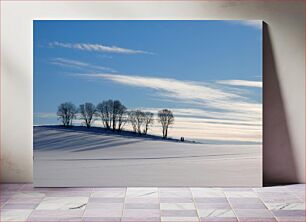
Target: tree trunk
(146,130)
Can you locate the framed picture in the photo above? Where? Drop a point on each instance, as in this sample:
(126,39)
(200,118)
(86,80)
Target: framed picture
(147,103)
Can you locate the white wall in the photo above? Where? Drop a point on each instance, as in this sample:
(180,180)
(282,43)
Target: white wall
(284,61)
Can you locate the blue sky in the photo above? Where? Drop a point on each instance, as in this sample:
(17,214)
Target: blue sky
(205,71)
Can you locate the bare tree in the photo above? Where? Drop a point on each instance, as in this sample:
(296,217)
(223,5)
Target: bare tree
(136,118)
(166,118)
(148,120)
(139,117)
(121,115)
(87,112)
(66,113)
(118,114)
(112,114)
(104,111)
(132,119)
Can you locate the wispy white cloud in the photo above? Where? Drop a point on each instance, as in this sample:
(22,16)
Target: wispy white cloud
(212,116)
(202,94)
(78,65)
(44,115)
(98,48)
(169,88)
(68,62)
(257,24)
(208,101)
(237,82)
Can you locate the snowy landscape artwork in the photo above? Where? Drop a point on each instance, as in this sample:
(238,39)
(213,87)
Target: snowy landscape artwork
(147,103)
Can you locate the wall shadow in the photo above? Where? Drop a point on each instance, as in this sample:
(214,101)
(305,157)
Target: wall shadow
(278,160)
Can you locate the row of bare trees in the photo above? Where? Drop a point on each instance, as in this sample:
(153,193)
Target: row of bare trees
(114,115)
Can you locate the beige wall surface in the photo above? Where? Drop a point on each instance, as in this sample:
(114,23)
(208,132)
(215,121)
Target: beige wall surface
(284,72)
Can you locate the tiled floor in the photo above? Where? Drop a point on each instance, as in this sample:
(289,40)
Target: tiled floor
(21,202)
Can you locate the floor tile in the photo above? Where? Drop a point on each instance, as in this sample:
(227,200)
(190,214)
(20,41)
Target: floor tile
(175,192)
(10,186)
(103,213)
(142,192)
(218,219)
(216,213)
(57,213)
(140,219)
(238,189)
(207,192)
(240,194)
(20,206)
(236,205)
(62,203)
(14,214)
(141,206)
(176,200)
(178,213)
(291,219)
(91,205)
(109,193)
(24,194)
(142,200)
(179,219)
(3,200)
(174,189)
(285,206)
(274,197)
(105,200)
(94,189)
(255,219)
(101,219)
(301,187)
(225,205)
(244,200)
(54,219)
(289,213)
(177,206)
(253,213)
(276,194)
(67,194)
(23,202)
(143,213)
(210,200)
(278,189)
(300,195)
